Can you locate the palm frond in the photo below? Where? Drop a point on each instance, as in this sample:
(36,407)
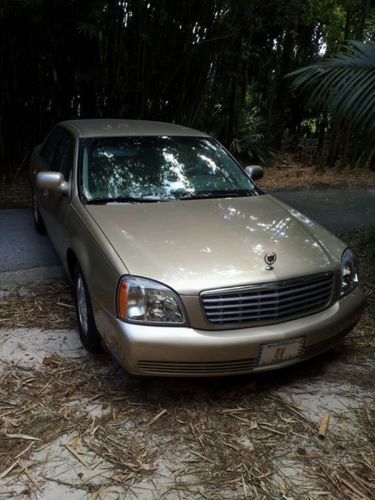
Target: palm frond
(343,85)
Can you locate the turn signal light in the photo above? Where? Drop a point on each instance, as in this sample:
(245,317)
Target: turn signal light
(123,300)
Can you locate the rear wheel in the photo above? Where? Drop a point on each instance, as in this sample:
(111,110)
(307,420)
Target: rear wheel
(88,332)
(38,221)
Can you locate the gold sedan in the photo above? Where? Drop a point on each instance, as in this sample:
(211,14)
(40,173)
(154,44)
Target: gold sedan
(181,265)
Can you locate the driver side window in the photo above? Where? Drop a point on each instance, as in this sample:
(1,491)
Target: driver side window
(49,147)
(64,155)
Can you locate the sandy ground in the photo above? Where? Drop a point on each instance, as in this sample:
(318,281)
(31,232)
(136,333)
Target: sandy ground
(76,426)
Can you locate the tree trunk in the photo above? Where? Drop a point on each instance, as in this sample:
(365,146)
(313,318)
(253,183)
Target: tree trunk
(348,20)
(365,6)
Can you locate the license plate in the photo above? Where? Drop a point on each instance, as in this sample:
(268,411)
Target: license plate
(280,351)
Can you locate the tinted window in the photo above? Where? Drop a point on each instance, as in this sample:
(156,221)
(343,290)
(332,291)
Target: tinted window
(163,168)
(49,147)
(64,154)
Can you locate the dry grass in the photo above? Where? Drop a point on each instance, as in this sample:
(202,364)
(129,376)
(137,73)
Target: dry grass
(30,306)
(363,244)
(231,438)
(288,173)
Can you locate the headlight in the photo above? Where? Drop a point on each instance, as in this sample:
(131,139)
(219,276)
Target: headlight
(141,300)
(349,272)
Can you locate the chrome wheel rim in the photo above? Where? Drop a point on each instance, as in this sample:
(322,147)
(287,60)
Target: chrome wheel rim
(82,304)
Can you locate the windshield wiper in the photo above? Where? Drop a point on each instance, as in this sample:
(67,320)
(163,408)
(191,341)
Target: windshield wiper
(198,196)
(122,199)
(217,194)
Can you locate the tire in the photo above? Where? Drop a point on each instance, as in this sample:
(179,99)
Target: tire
(38,220)
(88,332)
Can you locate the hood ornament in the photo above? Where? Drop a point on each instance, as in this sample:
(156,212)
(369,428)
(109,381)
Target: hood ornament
(270,259)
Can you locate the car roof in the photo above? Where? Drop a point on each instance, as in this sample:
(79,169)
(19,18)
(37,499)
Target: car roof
(116,128)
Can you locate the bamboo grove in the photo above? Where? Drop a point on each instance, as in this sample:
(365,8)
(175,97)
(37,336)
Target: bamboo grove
(224,66)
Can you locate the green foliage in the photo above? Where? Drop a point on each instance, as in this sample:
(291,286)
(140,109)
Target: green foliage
(251,141)
(369,28)
(343,87)
(194,62)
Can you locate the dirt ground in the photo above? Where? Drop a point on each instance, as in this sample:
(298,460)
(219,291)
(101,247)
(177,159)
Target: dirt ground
(77,426)
(287,174)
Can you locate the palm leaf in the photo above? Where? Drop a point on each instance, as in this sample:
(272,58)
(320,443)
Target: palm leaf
(343,85)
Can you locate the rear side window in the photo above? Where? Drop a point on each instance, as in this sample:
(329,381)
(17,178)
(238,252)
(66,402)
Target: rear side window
(49,147)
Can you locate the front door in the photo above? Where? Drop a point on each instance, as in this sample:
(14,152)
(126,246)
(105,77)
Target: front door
(54,204)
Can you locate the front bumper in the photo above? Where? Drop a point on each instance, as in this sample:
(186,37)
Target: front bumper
(185,351)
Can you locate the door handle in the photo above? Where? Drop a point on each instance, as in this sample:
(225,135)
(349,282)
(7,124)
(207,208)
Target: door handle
(45,193)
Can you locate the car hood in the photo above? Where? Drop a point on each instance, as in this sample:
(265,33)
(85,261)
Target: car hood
(197,245)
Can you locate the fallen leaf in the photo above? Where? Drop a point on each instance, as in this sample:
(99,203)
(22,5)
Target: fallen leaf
(323,429)
(50,361)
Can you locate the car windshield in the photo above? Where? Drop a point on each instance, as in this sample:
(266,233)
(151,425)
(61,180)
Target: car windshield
(146,169)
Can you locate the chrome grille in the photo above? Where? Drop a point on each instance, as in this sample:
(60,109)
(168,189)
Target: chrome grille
(269,302)
(198,367)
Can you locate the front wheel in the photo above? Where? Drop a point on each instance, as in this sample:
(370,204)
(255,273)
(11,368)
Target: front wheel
(88,332)
(38,221)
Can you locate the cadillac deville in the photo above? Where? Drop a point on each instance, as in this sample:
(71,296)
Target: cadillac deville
(181,265)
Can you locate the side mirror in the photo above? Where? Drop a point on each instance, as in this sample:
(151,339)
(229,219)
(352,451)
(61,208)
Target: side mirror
(255,172)
(54,181)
